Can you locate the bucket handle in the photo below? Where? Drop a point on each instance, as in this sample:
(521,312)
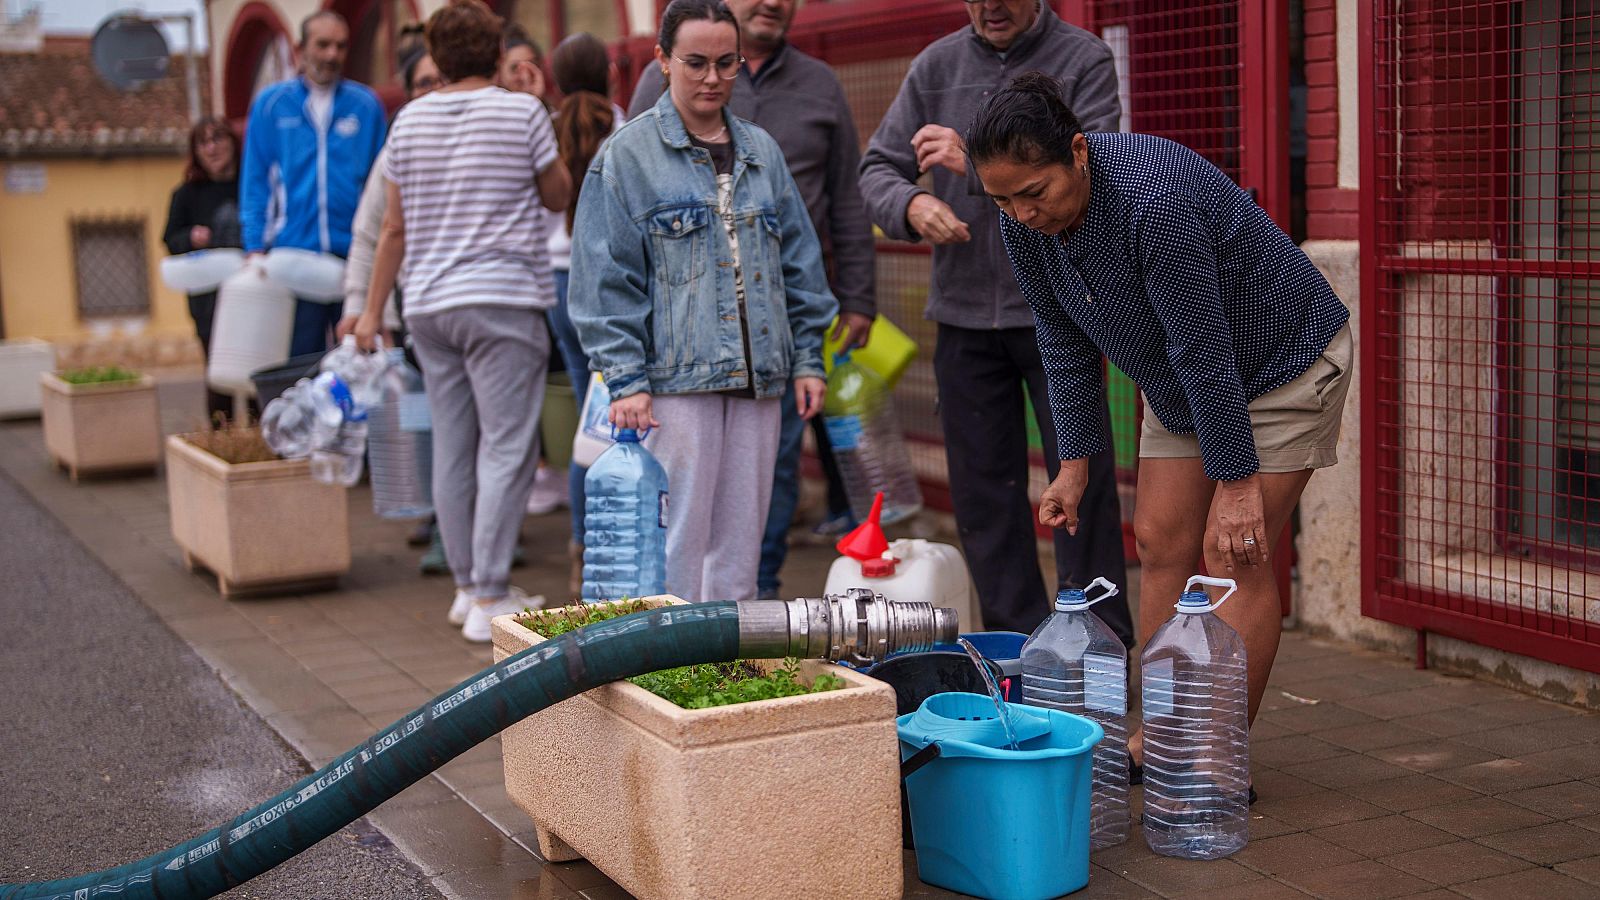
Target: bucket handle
(1228,583)
(919,759)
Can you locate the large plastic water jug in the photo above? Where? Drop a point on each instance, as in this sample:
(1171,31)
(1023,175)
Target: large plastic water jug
(399,456)
(307,273)
(1074,662)
(625,523)
(868,444)
(201,270)
(253,324)
(913,569)
(990,821)
(1196,731)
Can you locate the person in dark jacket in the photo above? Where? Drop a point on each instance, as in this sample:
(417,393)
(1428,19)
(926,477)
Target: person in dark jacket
(205,214)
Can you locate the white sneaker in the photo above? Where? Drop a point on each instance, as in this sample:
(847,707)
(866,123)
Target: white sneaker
(476,628)
(460,606)
(549,491)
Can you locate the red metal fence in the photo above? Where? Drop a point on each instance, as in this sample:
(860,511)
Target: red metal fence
(1481,323)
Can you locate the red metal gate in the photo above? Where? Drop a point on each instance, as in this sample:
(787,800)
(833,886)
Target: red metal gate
(1481,328)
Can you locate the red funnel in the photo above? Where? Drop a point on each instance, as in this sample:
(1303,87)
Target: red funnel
(867,540)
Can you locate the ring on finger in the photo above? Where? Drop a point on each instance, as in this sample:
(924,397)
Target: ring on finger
(1250,542)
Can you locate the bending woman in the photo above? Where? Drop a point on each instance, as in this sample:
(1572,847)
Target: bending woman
(698,292)
(1136,248)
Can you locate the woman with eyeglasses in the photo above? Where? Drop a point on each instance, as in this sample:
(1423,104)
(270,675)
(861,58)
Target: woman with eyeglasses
(698,292)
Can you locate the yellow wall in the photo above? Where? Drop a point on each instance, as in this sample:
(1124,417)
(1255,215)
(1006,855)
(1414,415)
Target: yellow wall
(37,281)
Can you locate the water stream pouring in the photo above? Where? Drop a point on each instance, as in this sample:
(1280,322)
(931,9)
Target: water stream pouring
(858,625)
(1001,708)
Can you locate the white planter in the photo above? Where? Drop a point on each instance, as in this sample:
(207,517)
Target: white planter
(112,426)
(22,361)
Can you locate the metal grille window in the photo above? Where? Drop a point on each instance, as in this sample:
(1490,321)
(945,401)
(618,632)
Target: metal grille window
(1482,425)
(110,268)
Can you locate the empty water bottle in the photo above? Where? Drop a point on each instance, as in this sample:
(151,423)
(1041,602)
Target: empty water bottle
(867,442)
(625,523)
(336,458)
(362,372)
(399,455)
(1196,731)
(1074,662)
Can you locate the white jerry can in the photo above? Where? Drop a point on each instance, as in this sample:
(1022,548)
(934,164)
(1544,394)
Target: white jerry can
(252,329)
(913,569)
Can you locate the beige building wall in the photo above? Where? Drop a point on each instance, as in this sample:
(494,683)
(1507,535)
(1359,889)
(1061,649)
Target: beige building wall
(38,285)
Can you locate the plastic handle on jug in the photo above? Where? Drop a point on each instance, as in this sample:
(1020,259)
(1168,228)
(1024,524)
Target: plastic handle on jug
(642,433)
(1111,590)
(1228,583)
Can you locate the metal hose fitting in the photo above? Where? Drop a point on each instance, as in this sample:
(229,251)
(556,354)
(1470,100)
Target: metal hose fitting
(858,626)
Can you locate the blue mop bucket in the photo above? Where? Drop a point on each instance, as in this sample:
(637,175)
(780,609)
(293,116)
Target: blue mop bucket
(990,821)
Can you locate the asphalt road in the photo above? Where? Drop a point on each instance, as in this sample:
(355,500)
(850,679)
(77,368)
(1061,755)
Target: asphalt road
(117,741)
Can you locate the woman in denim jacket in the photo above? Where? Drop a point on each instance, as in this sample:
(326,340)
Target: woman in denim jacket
(698,291)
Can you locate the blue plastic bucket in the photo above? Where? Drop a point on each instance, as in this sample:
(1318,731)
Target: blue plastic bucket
(994,822)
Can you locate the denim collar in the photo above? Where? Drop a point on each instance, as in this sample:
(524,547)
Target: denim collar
(674,134)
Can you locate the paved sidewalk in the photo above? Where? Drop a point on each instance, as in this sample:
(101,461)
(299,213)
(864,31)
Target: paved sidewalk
(1376,780)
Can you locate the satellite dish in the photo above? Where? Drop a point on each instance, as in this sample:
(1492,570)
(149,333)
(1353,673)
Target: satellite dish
(128,51)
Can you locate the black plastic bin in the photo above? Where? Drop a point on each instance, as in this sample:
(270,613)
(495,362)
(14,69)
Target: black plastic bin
(273,380)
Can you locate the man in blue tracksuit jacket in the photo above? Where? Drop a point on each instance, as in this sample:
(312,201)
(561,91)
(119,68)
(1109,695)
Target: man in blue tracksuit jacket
(308,146)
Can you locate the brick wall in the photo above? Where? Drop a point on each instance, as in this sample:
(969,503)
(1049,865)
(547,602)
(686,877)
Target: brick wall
(1330,210)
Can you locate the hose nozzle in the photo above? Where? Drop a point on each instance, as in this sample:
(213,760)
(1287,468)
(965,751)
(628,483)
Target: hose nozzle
(858,626)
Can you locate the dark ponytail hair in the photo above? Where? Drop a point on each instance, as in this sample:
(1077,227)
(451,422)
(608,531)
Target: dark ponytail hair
(581,66)
(681,11)
(1027,121)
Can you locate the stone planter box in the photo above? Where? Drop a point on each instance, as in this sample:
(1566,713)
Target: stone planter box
(22,361)
(108,427)
(792,797)
(258,526)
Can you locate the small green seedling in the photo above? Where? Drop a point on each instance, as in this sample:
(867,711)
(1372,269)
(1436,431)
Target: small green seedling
(98,375)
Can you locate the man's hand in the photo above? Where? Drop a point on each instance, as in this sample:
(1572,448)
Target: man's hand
(1058,505)
(809,393)
(1237,525)
(200,237)
(936,145)
(935,221)
(852,330)
(633,411)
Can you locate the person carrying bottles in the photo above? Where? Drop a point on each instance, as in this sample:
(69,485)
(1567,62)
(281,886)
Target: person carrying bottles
(476,287)
(698,293)
(204,215)
(986,361)
(798,99)
(308,146)
(1137,248)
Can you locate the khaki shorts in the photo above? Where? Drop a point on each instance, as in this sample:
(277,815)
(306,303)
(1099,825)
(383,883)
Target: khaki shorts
(1296,426)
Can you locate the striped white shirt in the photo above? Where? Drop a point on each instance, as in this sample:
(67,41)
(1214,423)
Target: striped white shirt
(465,163)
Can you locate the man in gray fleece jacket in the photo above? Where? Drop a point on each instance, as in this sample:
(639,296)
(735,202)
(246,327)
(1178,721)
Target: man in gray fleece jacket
(986,354)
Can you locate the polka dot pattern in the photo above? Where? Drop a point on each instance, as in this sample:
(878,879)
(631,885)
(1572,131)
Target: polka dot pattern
(1183,282)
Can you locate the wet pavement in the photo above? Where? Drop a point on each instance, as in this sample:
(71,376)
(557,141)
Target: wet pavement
(1376,780)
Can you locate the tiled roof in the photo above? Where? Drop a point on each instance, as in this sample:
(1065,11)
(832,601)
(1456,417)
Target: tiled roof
(52,103)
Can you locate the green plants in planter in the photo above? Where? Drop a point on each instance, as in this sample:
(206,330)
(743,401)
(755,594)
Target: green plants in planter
(98,375)
(692,687)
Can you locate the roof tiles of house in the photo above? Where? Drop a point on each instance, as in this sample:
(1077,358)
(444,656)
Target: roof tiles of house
(52,103)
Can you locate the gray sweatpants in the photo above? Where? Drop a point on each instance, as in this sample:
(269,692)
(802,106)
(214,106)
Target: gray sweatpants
(485,371)
(719,453)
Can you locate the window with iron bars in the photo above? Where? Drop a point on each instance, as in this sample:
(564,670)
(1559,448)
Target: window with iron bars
(110,268)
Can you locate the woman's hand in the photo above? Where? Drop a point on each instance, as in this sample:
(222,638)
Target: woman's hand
(199,237)
(1058,505)
(633,411)
(1237,525)
(367,330)
(809,393)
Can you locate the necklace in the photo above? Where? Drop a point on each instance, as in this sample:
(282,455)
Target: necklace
(709,138)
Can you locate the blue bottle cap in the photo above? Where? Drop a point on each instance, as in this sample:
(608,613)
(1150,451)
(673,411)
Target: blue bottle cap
(1194,601)
(1071,600)
(627,435)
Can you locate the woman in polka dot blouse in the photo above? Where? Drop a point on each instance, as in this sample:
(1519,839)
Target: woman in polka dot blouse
(1136,248)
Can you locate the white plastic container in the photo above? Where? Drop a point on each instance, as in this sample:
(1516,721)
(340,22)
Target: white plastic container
(307,273)
(201,270)
(252,329)
(22,361)
(921,570)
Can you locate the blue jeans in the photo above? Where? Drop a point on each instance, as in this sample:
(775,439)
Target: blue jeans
(313,326)
(577,363)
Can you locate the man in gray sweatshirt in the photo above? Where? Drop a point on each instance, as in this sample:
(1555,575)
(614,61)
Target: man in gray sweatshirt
(986,355)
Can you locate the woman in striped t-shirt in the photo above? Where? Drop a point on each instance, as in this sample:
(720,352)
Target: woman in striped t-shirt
(467,168)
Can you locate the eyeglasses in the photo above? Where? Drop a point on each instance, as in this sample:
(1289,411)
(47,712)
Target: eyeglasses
(205,139)
(699,68)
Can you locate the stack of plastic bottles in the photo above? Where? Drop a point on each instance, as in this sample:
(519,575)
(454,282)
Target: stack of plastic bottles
(325,417)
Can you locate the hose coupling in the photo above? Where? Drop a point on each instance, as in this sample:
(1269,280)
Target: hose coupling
(858,626)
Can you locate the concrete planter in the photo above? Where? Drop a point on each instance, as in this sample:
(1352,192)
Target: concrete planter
(22,361)
(257,526)
(107,427)
(793,797)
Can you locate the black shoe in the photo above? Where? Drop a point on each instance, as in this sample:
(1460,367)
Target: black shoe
(422,536)
(1135,773)
(1252,795)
